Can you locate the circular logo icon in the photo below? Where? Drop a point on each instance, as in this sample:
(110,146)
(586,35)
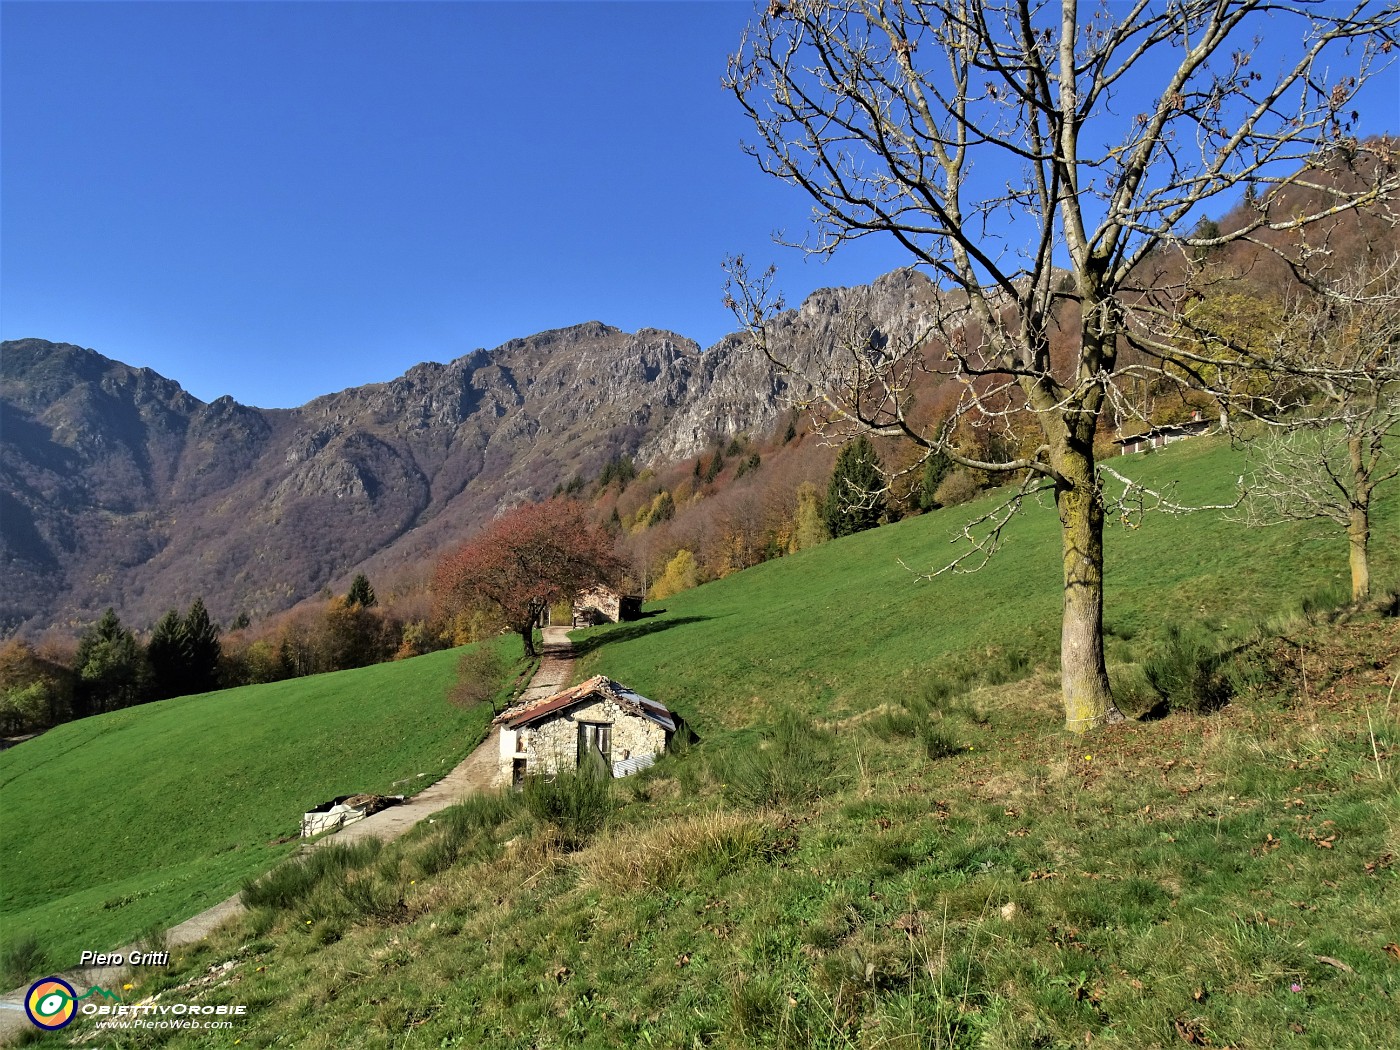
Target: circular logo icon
(51,1003)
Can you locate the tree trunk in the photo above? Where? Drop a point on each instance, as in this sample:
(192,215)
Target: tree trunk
(1359,525)
(527,639)
(1083,674)
(1359,537)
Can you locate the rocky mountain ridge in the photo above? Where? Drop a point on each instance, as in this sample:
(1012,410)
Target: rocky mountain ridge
(118,487)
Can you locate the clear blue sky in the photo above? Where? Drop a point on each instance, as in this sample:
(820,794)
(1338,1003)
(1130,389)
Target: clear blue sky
(280,200)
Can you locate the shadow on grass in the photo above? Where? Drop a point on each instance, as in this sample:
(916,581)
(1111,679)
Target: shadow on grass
(631,631)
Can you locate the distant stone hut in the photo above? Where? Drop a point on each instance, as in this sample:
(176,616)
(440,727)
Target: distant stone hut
(1164,435)
(605,605)
(598,717)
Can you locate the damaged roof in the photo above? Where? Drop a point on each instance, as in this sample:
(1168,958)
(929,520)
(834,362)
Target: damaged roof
(629,700)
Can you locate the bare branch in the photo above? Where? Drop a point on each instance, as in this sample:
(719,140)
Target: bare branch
(984,546)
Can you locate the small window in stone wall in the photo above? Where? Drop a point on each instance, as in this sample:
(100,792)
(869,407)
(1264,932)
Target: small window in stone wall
(591,737)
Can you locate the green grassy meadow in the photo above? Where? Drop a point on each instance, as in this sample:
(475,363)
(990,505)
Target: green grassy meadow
(141,818)
(884,838)
(844,627)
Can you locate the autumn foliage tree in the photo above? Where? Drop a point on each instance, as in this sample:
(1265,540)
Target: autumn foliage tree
(524,562)
(35,691)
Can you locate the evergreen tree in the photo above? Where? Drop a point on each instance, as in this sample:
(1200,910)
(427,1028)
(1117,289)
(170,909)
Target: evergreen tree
(620,469)
(855,498)
(716,465)
(184,653)
(165,653)
(202,650)
(936,468)
(111,668)
(361,593)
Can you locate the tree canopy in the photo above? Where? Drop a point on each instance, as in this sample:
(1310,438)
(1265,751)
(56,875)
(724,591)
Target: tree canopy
(360,593)
(525,561)
(183,653)
(855,496)
(111,668)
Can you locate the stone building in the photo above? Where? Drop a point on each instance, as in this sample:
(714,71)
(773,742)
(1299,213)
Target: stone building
(1169,434)
(605,605)
(555,733)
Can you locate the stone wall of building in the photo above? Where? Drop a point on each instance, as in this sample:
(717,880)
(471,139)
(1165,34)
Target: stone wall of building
(551,745)
(607,603)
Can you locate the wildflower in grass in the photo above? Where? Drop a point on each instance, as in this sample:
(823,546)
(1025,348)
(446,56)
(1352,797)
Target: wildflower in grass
(1295,987)
(1088,758)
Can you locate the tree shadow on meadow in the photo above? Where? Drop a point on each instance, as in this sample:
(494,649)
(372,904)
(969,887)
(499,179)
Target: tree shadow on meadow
(632,631)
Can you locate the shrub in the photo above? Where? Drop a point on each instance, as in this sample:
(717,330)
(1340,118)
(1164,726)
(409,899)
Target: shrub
(1320,604)
(792,766)
(1132,691)
(1186,671)
(937,713)
(362,895)
(958,487)
(290,885)
(577,803)
(1005,665)
(464,829)
(938,743)
(480,812)
(894,724)
(682,573)
(21,959)
(697,848)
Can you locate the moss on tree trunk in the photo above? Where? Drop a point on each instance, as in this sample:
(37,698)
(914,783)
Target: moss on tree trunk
(1088,698)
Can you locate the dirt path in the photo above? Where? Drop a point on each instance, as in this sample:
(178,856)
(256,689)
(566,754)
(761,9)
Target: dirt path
(479,771)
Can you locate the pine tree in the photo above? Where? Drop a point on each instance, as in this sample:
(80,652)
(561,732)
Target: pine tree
(716,465)
(167,657)
(361,593)
(202,650)
(855,498)
(111,668)
(936,468)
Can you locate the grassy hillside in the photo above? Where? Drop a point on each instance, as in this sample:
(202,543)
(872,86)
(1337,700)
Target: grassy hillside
(883,837)
(141,818)
(846,626)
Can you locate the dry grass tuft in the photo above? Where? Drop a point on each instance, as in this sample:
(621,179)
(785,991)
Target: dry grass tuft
(659,856)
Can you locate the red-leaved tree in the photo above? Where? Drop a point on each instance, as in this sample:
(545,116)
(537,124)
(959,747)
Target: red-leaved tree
(524,562)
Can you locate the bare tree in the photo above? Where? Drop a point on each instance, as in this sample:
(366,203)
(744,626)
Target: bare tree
(1038,165)
(1327,460)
